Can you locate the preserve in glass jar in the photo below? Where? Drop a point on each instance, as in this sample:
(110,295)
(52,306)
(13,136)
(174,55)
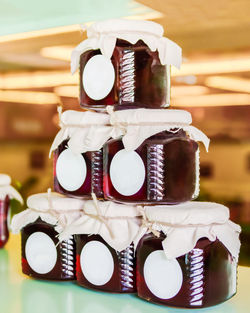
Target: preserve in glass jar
(43,256)
(197,272)
(99,266)
(156,158)
(125,63)
(7,192)
(105,258)
(78,155)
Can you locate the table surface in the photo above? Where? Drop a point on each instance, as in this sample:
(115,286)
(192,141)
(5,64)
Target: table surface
(19,294)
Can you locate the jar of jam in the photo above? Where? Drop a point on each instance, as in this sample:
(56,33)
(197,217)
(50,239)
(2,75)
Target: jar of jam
(78,155)
(125,63)
(43,256)
(155,157)
(104,236)
(197,272)
(7,192)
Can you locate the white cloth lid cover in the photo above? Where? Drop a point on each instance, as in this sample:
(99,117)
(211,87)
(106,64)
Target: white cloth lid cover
(184,224)
(86,131)
(103,35)
(53,208)
(116,223)
(149,116)
(188,213)
(137,125)
(7,190)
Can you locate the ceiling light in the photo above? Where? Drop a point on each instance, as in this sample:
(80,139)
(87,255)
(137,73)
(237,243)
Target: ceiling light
(57,52)
(32,97)
(179,91)
(213,67)
(223,99)
(67,91)
(37,80)
(229,83)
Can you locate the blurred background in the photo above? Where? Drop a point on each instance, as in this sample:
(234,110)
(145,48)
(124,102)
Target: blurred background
(36,40)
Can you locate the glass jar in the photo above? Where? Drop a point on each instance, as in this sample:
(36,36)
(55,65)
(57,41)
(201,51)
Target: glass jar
(197,272)
(104,237)
(78,174)
(43,257)
(7,192)
(154,157)
(4,213)
(78,154)
(46,217)
(99,266)
(125,64)
(203,277)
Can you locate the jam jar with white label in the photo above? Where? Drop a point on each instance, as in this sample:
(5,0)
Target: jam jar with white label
(78,174)
(156,160)
(47,215)
(78,154)
(129,67)
(200,272)
(105,256)
(43,257)
(100,267)
(7,192)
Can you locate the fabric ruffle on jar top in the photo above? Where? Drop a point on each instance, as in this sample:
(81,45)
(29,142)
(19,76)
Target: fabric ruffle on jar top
(187,256)
(7,192)
(47,215)
(154,157)
(125,63)
(104,244)
(78,155)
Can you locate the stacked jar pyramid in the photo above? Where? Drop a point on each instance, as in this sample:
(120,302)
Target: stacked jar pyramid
(126,171)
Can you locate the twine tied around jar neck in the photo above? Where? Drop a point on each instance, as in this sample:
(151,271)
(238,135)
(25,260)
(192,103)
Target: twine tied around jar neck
(146,223)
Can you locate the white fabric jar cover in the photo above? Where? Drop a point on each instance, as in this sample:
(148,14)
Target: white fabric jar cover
(136,125)
(184,224)
(117,224)
(53,208)
(7,190)
(103,35)
(86,131)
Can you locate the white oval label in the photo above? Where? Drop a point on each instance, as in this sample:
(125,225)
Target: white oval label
(127,172)
(97,263)
(71,170)
(163,277)
(41,253)
(98,77)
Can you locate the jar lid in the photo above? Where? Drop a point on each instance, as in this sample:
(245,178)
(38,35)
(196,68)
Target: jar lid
(103,35)
(123,25)
(149,116)
(53,201)
(52,208)
(83,119)
(116,223)
(188,213)
(111,209)
(85,131)
(5,180)
(7,190)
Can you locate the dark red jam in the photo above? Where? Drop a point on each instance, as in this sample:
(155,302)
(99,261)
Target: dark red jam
(140,79)
(164,169)
(100,267)
(201,278)
(43,257)
(90,182)
(4,230)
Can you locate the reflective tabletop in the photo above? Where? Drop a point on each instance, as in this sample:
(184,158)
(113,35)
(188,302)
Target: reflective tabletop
(19,294)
